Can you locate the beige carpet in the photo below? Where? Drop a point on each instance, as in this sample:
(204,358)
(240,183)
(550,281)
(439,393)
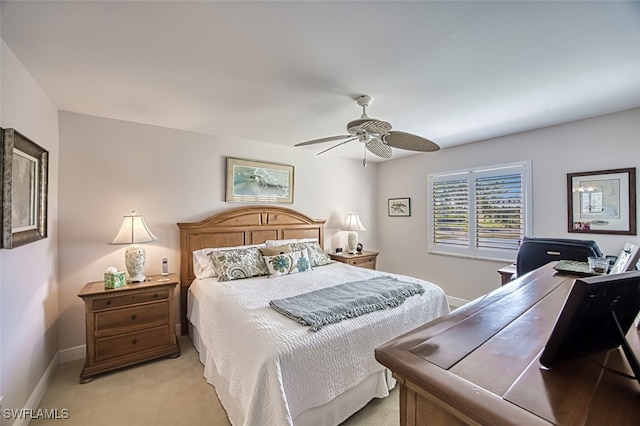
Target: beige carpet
(161,392)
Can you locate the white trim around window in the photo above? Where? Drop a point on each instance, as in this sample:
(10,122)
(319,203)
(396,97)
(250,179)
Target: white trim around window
(482,212)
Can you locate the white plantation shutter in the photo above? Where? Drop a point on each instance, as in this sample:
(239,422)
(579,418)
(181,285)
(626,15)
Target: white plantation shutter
(499,212)
(480,213)
(451,212)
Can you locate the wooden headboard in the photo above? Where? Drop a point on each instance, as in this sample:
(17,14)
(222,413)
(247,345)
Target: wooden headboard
(238,227)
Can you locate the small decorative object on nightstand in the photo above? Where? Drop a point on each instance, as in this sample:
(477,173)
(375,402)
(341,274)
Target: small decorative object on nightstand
(128,325)
(365,260)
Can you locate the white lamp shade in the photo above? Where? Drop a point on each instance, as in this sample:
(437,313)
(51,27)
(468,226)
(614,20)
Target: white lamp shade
(353,223)
(133,231)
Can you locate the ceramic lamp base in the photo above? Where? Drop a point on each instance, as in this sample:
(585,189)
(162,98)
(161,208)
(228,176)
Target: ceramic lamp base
(352,242)
(135,259)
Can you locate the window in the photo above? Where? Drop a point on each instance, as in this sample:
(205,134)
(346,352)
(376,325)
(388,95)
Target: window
(480,213)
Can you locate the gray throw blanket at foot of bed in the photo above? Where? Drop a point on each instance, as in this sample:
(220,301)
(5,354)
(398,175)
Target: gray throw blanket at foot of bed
(334,304)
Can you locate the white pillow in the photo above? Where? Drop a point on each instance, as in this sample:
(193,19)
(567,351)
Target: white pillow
(203,266)
(288,263)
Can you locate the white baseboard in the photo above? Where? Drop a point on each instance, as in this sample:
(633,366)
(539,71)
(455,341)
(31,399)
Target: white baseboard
(72,354)
(38,393)
(456,302)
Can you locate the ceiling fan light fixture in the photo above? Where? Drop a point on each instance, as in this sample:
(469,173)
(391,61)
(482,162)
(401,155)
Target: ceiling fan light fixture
(364,137)
(376,136)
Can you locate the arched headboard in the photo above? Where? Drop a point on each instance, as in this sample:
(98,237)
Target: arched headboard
(237,227)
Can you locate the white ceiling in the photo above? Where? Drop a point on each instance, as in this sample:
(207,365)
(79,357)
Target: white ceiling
(285,72)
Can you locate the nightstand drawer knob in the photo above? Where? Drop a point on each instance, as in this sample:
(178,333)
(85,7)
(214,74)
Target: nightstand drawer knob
(134,317)
(134,341)
(108,302)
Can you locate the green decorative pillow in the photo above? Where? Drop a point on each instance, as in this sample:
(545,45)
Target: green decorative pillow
(288,263)
(317,256)
(238,264)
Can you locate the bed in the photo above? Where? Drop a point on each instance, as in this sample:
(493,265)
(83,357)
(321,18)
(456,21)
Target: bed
(265,367)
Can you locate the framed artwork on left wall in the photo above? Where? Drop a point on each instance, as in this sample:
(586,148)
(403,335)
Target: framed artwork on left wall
(24,172)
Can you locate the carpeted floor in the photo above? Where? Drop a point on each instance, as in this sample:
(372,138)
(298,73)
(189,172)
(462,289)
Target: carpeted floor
(158,393)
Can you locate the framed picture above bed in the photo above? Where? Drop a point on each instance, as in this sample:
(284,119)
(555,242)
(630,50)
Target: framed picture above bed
(258,181)
(25,167)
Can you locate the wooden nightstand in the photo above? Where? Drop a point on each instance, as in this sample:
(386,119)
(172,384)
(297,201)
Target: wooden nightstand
(128,325)
(365,260)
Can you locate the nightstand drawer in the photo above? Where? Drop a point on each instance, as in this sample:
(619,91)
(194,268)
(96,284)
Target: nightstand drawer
(138,316)
(112,347)
(367,259)
(366,262)
(129,299)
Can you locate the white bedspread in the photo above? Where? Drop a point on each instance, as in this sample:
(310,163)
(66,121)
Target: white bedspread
(276,368)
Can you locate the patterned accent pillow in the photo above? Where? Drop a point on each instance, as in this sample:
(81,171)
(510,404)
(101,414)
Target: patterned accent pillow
(203,266)
(238,264)
(288,263)
(317,256)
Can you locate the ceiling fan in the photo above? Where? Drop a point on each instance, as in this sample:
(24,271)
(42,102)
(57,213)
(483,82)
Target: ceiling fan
(376,136)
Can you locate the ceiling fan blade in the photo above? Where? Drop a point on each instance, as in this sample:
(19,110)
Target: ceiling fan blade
(409,142)
(377,147)
(328,139)
(370,125)
(337,145)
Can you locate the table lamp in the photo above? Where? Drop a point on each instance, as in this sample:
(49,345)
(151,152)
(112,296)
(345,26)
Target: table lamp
(134,231)
(353,225)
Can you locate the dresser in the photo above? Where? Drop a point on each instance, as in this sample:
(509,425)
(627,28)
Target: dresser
(128,325)
(479,365)
(367,259)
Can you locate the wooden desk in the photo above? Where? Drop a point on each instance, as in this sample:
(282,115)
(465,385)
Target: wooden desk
(479,365)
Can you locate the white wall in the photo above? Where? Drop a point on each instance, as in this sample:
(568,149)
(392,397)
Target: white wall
(109,167)
(600,143)
(28,274)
